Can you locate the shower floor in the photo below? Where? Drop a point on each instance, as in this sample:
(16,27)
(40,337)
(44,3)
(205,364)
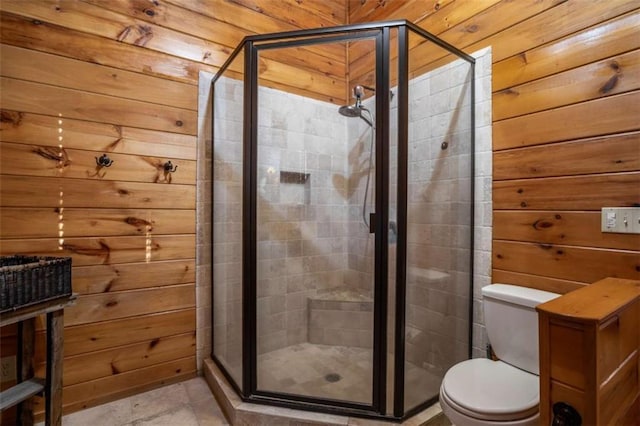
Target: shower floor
(310,370)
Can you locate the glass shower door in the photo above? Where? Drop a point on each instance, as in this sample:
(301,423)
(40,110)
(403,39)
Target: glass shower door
(439,218)
(314,252)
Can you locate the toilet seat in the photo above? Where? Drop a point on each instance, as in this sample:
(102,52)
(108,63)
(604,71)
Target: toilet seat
(491,390)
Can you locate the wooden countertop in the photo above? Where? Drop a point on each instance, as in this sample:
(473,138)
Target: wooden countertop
(611,294)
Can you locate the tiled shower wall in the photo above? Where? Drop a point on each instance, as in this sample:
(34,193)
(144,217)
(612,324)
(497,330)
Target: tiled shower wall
(302,212)
(359,275)
(439,217)
(203,220)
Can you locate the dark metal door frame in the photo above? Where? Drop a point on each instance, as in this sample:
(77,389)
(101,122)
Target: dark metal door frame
(380,32)
(250,362)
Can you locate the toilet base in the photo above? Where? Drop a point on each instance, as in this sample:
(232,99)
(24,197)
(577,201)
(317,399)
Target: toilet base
(460,419)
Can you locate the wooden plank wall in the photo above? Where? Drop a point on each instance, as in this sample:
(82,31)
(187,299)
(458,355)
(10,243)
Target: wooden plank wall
(566,127)
(566,144)
(83,78)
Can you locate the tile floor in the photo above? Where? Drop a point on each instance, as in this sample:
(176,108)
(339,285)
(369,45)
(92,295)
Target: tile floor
(335,372)
(189,403)
(300,369)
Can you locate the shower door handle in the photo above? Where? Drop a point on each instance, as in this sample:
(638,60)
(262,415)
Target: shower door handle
(372,223)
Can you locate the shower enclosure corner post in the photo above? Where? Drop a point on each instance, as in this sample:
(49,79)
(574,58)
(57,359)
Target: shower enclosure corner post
(249,140)
(472,213)
(401,220)
(382,222)
(212,218)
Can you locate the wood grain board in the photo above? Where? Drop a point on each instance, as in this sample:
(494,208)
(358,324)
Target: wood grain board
(582,264)
(132,276)
(20,222)
(566,17)
(594,43)
(107,250)
(99,391)
(613,114)
(31,65)
(607,154)
(591,192)
(31,160)
(64,41)
(554,285)
(63,102)
(44,130)
(108,306)
(576,228)
(30,191)
(617,74)
(96,365)
(93,337)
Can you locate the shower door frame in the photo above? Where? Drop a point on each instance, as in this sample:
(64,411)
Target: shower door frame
(381,37)
(381,32)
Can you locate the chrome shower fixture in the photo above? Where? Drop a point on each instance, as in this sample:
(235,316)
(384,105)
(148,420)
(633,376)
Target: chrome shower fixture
(357,109)
(358,94)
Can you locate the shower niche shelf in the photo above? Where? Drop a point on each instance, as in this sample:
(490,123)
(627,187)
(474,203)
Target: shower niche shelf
(293,177)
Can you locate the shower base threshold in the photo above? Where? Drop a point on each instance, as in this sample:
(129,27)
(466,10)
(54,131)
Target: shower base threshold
(239,412)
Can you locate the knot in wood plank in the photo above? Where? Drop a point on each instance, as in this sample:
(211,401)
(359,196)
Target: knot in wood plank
(542,224)
(12,117)
(609,85)
(471,28)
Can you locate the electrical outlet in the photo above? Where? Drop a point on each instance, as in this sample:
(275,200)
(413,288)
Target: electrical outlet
(8,369)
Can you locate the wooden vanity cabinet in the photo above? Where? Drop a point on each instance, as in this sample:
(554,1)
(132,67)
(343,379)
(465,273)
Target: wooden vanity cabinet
(589,353)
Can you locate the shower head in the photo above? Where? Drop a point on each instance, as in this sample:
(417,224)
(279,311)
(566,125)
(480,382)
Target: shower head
(350,110)
(355,111)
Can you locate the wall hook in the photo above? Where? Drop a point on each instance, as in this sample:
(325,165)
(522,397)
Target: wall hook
(104,161)
(170,168)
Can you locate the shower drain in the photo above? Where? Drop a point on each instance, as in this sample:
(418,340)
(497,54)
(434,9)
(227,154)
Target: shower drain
(332,377)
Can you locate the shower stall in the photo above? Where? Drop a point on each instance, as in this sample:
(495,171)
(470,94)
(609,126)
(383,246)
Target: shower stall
(343,226)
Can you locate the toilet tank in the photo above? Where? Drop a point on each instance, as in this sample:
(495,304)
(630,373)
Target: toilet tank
(511,321)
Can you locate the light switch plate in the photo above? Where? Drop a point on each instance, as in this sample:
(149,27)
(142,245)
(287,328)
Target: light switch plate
(624,220)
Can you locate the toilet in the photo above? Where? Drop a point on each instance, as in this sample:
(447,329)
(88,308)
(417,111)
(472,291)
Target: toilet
(482,392)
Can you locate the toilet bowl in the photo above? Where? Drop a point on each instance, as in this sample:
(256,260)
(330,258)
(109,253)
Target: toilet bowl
(483,392)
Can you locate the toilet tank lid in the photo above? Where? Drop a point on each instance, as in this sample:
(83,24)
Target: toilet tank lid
(523,296)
